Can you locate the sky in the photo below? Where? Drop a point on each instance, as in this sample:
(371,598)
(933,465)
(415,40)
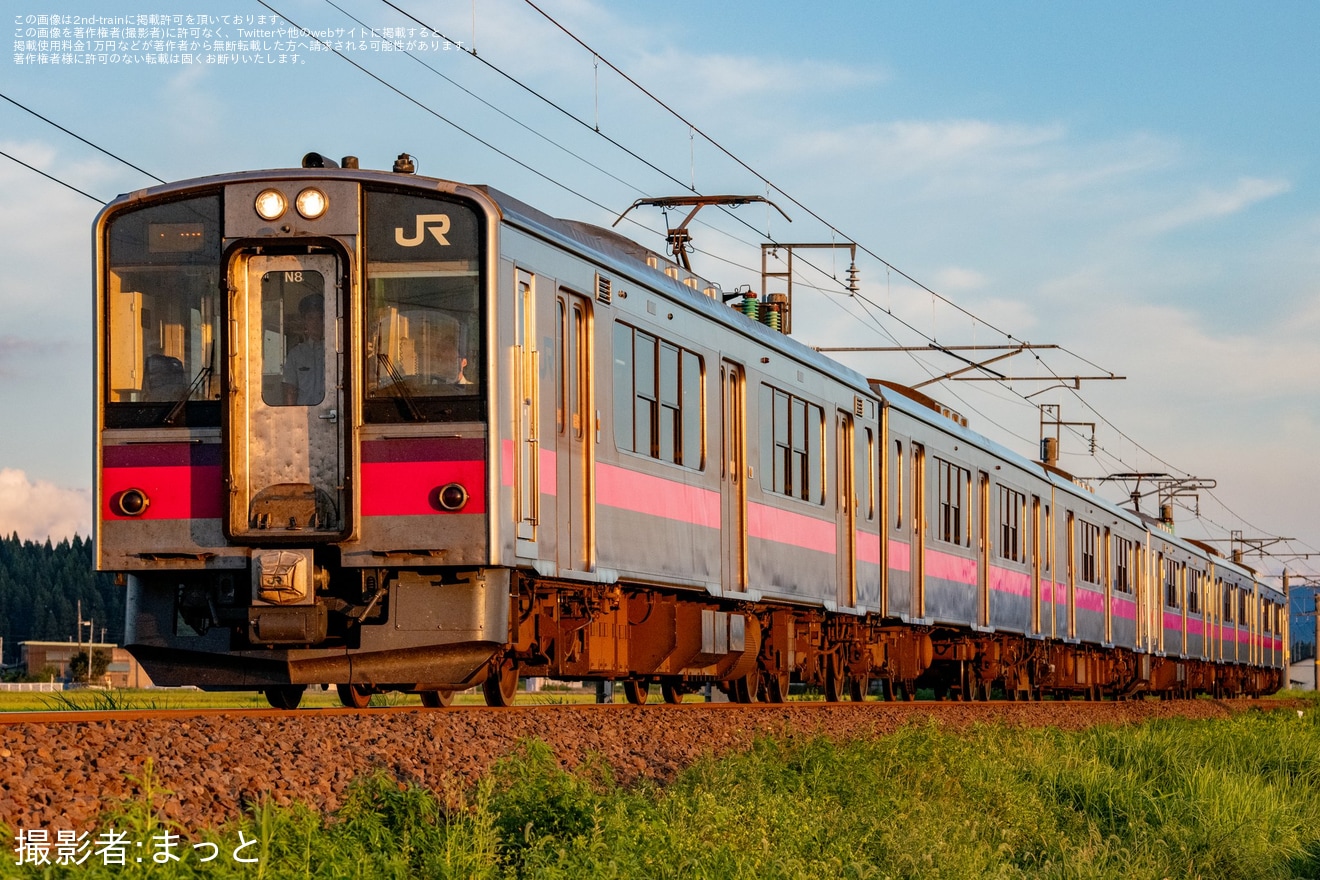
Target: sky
(1135,183)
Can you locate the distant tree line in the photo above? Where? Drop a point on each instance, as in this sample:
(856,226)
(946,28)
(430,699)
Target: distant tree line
(40,587)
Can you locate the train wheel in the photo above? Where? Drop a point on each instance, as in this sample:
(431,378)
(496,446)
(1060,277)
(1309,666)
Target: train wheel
(776,687)
(835,679)
(286,696)
(744,690)
(672,692)
(501,686)
(858,686)
(354,696)
(437,699)
(637,692)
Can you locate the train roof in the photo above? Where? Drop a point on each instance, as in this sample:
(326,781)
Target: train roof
(623,256)
(912,405)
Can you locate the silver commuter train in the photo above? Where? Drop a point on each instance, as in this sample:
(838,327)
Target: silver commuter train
(398,433)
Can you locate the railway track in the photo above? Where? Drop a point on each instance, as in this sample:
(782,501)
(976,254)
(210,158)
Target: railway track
(65,769)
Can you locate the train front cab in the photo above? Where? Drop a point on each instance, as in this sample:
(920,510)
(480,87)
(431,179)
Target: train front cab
(292,446)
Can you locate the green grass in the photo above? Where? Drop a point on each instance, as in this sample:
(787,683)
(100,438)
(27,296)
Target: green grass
(88,699)
(1225,799)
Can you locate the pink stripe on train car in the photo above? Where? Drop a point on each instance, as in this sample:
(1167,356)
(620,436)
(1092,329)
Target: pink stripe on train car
(1124,608)
(1006,580)
(549,475)
(900,555)
(868,548)
(1089,600)
(643,493)
(1053,592)
(787,527)
(947,567)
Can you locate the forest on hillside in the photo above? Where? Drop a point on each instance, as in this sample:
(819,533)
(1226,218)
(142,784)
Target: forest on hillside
(41,585)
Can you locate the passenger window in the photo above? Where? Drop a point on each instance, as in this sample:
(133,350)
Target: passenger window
(163,304)
(898,484)
(658,401)
(423,304)
(293,323)
(797,433)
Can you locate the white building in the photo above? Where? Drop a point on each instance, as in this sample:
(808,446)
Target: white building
(1301,675)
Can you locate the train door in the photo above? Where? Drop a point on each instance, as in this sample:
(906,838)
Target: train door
(983,557)
(1072,575)
(1162,596)
(574,433)
(918,531)
(526,431)
(846,550)
(1107,576)
(1037,550)
(895,578)
(1143,602)
(733,477)
(284,430)
(1049,558)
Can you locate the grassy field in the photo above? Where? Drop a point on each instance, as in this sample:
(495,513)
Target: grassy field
(1173,799)
(188,698)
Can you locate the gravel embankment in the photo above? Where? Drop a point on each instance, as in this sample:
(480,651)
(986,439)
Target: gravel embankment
(66,775)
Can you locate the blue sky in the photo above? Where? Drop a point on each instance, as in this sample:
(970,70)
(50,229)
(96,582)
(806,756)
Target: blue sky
(1134,182)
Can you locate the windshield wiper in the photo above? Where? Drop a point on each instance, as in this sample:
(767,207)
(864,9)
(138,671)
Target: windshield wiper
(399,386)
(203,375)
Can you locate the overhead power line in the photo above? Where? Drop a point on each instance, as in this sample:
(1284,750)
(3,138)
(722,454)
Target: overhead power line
(79,137)
(53,178)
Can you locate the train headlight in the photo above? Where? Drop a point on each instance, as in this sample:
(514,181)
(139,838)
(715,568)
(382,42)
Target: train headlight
(452,497)
(311,203)
(271,204)
(131,502)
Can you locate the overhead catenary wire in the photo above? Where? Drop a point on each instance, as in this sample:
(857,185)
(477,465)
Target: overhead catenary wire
(53,178)
(79,137)
(509,116)
(438,115)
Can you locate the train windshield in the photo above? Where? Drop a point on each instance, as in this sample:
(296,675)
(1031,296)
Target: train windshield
(424,358)
(162,311)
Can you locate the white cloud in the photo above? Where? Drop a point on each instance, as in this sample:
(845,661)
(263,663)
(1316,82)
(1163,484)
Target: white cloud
(38,509)
(955,280)
(1213,204)
(739,78)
